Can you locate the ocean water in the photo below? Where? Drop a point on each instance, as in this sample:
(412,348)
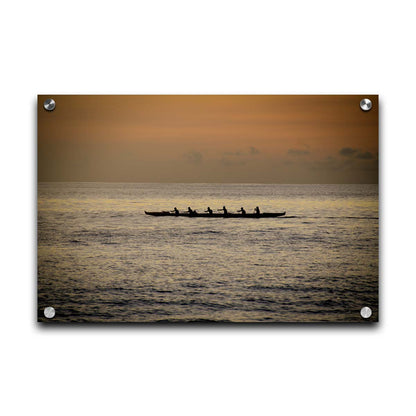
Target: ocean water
(101,259)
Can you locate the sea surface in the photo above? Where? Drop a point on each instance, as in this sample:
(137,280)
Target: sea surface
(101,259)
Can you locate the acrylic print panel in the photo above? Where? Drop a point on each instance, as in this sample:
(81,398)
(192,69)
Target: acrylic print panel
(208,209)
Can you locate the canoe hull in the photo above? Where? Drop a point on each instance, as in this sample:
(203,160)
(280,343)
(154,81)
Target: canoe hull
(216,215)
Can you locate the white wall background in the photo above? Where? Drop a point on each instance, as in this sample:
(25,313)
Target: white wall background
(268,47)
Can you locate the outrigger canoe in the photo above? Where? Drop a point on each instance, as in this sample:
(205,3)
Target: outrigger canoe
(216,214)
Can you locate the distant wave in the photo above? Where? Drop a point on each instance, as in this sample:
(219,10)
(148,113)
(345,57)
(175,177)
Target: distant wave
(207,232)
(334,218)
(190,321)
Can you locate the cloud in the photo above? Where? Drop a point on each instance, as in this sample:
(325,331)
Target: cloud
(232,162)
(329,164)
(238,157)
(298,152)
(237,153)
(251,151)
(364,155)
(355,153)
(348,151)
(193,157)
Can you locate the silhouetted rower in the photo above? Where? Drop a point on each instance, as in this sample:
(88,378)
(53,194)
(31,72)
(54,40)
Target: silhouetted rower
(191,211)
(242,210)
(209,210)
(175,210)
(257,210)
(224,210)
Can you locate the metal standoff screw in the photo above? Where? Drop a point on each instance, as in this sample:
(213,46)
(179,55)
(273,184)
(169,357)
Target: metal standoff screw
(49,104)
(366,312)
(366,104)
(49,312)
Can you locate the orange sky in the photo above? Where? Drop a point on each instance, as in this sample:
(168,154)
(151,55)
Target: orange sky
(240,138)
